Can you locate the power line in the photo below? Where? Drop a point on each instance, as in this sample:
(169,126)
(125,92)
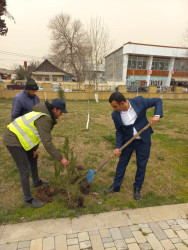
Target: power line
(11,59)
(17,54)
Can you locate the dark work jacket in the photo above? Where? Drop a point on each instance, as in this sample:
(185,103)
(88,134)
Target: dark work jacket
(23,104)
(140,106)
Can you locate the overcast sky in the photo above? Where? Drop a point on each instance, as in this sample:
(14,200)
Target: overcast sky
(160,22)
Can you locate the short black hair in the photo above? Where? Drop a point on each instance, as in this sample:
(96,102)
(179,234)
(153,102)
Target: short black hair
(118,97)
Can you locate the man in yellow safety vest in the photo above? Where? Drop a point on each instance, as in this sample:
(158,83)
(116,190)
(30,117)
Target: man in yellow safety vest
(23,136)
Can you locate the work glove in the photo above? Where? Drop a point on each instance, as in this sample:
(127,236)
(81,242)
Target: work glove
(90,175)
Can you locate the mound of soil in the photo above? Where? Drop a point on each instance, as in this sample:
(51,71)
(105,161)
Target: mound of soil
(45,193)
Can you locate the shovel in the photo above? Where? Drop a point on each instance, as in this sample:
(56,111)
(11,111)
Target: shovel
(90,174)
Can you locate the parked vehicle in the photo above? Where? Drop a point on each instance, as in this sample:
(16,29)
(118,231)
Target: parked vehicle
(41,89)
(67,90)
(17,85)
(56,88)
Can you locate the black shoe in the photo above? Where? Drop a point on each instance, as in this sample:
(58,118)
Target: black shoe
(34,203)
(111,190)
(137,194)
(40,183)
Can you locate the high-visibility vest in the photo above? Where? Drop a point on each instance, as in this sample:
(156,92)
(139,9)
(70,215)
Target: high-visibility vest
(25,129)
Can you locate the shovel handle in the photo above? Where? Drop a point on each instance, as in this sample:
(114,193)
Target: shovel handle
(125,145)
(132,139)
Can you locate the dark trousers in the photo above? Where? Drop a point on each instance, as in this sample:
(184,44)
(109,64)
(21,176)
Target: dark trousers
(142,155)
(25,162)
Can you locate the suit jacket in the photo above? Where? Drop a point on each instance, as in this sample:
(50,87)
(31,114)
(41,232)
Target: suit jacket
(140,105)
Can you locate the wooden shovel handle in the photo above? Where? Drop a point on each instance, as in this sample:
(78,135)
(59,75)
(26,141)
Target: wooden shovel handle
(134,137)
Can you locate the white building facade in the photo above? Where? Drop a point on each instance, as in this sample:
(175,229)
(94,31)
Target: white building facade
(147,65)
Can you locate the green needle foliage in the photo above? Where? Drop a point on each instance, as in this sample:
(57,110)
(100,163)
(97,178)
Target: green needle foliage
(68,176)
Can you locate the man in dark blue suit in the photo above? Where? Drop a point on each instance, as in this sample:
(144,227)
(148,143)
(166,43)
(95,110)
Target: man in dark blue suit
(130,117)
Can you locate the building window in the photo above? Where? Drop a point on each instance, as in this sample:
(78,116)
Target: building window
(160,64)
(47,79)
(181,65)
(137,62)
(39,78)
(67,78)
(54,79)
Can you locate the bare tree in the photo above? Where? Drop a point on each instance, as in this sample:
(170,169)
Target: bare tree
(3,11)
(70,45)
(101,45)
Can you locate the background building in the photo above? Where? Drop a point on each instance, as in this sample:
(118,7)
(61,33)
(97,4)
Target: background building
(145,65)
(47,72)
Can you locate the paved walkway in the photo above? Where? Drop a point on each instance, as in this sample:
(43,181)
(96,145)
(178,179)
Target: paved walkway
(163,227)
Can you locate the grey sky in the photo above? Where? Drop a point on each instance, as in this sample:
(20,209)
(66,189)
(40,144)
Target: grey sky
(161,22)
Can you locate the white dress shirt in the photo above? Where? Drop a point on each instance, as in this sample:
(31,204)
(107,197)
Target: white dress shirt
(128,118)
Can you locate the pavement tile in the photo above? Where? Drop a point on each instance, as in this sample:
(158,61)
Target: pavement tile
(80,225)
(154,242)
(116,233)
(93,232)
(36,244)
(75,247)
(25,248)
(146,230)
(83,236)
(72,236)
(142,225)
(126,232)
(182,234)
(35,229)
(176,240)
(167,212)
(60,242)
(176,227)
(186,241)
(134,228)
(109,244)
(170,233)
(145,246)
(140,238)
(167,244)
(112,248)
(85,244)
(159,233)
(48,243)
(1,230)
(107,240)
(120,244)
(171,222)
(96,242)
(181,246)
(184,209)
(163,224)
(130,240)
(139,215)
(23,244)
(11,246)
(133,246)
(105,233)
(182,223)
(72,241)
(115,219)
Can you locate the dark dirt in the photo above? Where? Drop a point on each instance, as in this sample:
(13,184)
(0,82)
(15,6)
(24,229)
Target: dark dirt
(45,193)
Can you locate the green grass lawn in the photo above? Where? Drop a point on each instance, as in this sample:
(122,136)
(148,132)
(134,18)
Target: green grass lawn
(166,180)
